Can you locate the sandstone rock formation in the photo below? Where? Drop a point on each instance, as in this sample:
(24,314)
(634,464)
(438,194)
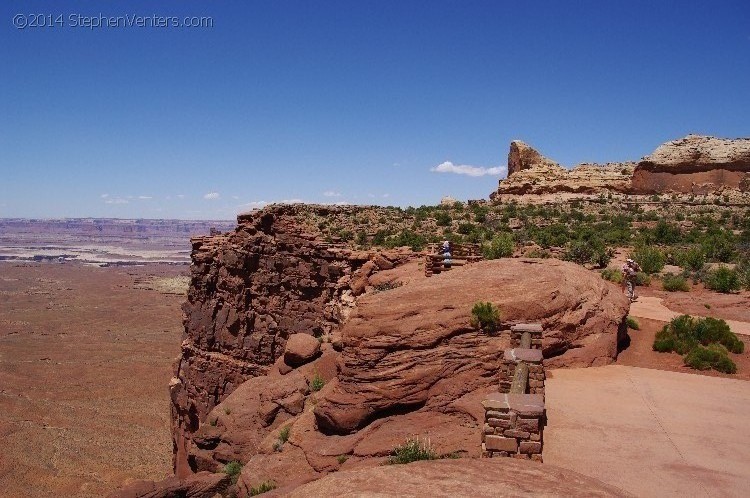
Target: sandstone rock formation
(523,157)
(197,485)
(691,165)
(450,478)
(251,289)
(413,348)
(695,164)
(529,172)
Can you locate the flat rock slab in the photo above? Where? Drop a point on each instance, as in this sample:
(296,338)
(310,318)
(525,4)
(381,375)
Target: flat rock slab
(534,328)
(479,478)
(523,404)
(650,432)
(527,355)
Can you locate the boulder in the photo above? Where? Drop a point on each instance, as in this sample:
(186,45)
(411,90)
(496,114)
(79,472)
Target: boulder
(464,477)
(301,349)
(413,347)
(694,164)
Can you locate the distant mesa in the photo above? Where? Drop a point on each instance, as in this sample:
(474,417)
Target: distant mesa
(695,164)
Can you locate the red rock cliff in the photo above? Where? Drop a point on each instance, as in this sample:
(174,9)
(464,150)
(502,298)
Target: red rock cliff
(250,290)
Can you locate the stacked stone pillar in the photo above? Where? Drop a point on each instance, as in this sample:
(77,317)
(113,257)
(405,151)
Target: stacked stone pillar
(515,416)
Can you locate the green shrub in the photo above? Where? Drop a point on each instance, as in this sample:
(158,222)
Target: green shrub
(501,246)
(284,434)
(263,487)
(588,251)
(650,259)
(723,279)
(703,341)
(692,259)
(443,219)
(233,469)
(673,283)
(342,458)
(642,279)
(632,323)
(411,451)
(743,272)
(485,316)
(612,274)
(316,384)
(714,356)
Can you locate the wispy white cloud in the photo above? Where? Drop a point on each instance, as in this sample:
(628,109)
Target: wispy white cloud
(235,197)
(331,193)
(180,196)
(211,196)
(115,200)
(291,201)
(104,196)
(386,195)
(145,197)
(465,169)
(251,206)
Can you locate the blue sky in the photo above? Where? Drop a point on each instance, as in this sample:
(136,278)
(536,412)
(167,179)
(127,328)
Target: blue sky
(345,101)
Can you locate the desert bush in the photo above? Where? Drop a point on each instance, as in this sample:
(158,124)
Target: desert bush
(386,286)
(723,279)
(233,469)
(666,233)
(719,245)
(485,316)
(443,219)
(501,246)
(406,238)
(588,251)
(650,259)
(684,334)
(316,384)
(342,458)
(673,283)
(284,433)
(411,451)
(263,487)
(714,356)
(692,259)
(632,323)
(642,279)
(612,274)
(743,272)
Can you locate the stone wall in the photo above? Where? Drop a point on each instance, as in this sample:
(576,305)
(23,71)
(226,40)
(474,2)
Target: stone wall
(514,417)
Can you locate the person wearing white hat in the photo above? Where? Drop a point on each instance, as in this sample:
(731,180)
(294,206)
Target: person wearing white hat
(629,271)
(446,252)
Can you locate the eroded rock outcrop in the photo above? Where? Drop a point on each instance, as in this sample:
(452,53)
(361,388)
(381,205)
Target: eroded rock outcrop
(529,172)
(695,164)
(413,347)
(251,289)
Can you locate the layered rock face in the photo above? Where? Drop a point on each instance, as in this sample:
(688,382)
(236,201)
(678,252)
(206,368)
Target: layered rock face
(414,348)
(529,172)
(251,289)
(696,165)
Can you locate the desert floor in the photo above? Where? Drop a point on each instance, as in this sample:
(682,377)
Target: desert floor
(85,360)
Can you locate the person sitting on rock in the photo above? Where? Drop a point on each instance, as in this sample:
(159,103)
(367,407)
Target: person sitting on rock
(629,272)
(445,250)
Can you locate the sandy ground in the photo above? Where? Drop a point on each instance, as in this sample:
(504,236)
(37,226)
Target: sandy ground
(650,432)
(85,360)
